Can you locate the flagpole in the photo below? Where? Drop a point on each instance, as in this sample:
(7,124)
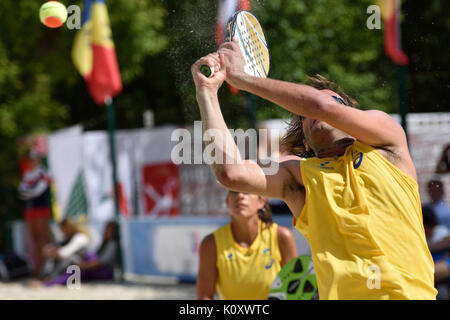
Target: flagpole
(112,151)
(401,75)
(403,107)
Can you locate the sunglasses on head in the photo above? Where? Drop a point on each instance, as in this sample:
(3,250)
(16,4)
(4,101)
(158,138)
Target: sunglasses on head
(339,100)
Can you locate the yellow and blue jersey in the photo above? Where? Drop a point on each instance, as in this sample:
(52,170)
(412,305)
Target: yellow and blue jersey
(247,273)
(362,218)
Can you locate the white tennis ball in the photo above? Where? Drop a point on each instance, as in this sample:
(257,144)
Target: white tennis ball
(53,14)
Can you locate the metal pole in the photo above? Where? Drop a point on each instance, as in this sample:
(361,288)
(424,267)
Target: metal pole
(403,107)
(112,151)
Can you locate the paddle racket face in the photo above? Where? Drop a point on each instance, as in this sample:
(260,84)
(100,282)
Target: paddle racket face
(246,28)
(295,281)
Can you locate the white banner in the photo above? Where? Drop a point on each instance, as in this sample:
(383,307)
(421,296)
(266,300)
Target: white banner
(148,181)
(65,168)
(157,176)
(97,168)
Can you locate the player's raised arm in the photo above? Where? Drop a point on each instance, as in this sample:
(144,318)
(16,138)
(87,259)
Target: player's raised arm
(372,127)
(233,172)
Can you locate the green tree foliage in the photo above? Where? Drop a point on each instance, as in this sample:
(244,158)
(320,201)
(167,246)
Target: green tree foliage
(329,38)
(426,34)
(40,89)
(308,37)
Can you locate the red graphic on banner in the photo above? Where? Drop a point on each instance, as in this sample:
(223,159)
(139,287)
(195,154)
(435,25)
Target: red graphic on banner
(123,201)
(161,186)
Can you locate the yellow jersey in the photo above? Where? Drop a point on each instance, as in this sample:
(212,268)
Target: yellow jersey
(247,273)
(363,220)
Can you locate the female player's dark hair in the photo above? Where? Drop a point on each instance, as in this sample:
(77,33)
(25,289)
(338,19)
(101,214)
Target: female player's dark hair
(111,225)
(265,214)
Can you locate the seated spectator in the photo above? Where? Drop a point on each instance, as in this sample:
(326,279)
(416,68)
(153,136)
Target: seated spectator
(96,266)
(443,165)
(100,265)
(437,195)
(438,239)
(69,252)
(434,231)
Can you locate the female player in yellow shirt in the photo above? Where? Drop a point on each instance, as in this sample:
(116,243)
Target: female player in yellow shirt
(241,259)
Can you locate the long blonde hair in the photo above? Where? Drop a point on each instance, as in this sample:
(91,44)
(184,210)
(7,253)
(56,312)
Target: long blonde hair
(70,226)
(292,141)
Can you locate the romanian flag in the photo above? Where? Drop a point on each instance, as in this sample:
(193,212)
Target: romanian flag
(390,11)
(226,9)
(94,55)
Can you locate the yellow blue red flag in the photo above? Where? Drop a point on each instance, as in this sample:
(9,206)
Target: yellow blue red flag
(94,54)
(226,9)
(390,11)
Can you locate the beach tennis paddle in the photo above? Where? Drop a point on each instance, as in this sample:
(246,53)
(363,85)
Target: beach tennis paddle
(295,281)
(246,28)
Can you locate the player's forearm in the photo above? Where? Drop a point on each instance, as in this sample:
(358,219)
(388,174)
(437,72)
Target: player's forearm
(221,141)
(297,98)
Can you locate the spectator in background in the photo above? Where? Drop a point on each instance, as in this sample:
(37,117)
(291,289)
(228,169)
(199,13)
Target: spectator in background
(95,266)
(69,252)
(100,265)
(242,258)
(434,231)
(35,191)
(438,238)
(443,165)
(436,192)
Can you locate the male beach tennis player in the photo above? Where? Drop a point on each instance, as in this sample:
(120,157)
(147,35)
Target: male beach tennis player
(355,199)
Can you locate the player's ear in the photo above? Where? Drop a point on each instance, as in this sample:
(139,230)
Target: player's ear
(262,202)
(307,147)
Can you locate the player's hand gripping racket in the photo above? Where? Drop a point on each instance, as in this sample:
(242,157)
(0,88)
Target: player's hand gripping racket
(245,27)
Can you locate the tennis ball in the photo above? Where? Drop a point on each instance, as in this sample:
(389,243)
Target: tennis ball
(53,14)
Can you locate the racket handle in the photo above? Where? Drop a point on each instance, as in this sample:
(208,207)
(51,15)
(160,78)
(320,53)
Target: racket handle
(206,70)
